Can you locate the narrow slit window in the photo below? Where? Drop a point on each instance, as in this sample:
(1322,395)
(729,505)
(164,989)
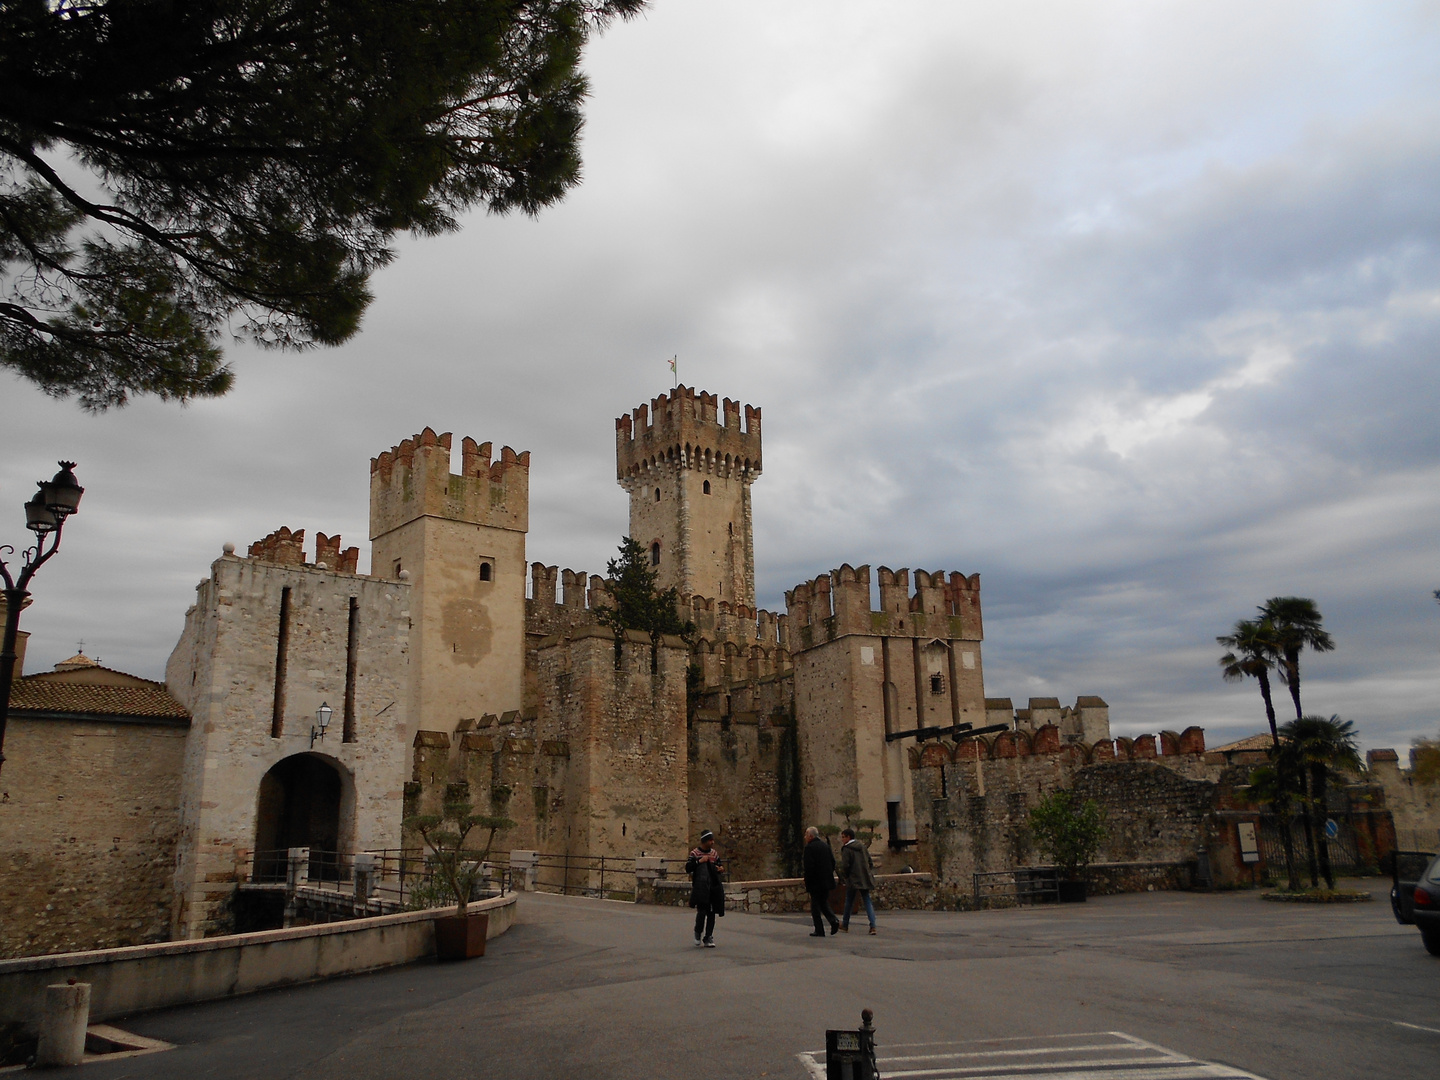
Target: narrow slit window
(707,487)
(655,553)
(657,494)
(485,571)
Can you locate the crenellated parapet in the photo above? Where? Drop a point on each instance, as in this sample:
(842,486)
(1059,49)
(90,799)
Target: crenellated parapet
(286,548)
(413,480)
(685,429)
(580,595)
(838,603)
(734,643)
(1174,748)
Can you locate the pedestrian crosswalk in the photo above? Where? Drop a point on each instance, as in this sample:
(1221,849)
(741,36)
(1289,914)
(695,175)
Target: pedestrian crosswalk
(1103,1055)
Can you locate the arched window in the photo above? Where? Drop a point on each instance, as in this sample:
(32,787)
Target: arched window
(657,494)
(707,487)
(485,571)
(655,553)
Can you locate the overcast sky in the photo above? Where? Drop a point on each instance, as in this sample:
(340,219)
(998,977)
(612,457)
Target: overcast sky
(1131,308)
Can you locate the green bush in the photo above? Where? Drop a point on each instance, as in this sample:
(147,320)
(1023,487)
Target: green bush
(1065,833)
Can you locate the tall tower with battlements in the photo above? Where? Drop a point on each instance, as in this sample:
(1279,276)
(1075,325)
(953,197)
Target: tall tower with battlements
(460,541)
(688,466)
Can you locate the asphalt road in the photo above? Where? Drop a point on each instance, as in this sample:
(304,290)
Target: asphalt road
(1146,986)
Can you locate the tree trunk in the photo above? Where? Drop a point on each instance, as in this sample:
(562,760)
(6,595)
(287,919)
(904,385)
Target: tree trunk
(1309,832)
(1322,841)
(1269,706)
(1292,678)
(1282,818)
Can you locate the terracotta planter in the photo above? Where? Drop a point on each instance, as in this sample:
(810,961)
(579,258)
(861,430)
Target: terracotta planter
(1072,892)
(461,937)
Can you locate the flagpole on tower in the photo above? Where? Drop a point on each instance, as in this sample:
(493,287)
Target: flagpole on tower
(675,368)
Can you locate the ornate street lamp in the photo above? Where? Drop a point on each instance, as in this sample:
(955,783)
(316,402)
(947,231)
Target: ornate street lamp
(322,717)
(45,516)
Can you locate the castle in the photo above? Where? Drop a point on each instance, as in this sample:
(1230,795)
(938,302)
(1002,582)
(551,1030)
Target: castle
(307,705)
(442,671)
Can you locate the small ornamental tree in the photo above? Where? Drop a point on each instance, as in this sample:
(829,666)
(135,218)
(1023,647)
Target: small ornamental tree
(865,828)
(1067,833)
(445,834)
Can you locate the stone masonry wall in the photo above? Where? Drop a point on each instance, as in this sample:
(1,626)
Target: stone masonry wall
(979,794)
(224,671)
(89,816)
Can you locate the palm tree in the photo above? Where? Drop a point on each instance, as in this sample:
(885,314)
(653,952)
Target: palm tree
(1268,785)
(1296,623)
(1254,651)
(1319,748)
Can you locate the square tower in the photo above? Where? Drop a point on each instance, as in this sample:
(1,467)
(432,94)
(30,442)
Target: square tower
(460,539)
(688,467)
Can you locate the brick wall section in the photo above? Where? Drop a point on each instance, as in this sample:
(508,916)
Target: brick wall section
(89,818)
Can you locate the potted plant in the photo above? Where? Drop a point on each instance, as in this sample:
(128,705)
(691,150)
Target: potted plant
(1068,834)
(462,935)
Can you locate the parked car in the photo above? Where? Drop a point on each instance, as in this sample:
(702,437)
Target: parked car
(1415,894)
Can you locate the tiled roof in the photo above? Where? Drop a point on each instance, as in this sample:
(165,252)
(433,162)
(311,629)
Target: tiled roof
(43,695)
(1263,741)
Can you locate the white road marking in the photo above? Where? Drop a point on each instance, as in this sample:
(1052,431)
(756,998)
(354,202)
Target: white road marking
(1064,1057)
(1416,1027)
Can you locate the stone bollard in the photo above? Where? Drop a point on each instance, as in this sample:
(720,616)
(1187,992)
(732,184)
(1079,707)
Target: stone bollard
(63,1024)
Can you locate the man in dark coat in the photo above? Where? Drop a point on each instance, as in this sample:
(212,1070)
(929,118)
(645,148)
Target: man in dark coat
(707,891)
(819,880)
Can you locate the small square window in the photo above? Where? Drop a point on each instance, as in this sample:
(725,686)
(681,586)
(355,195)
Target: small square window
(937,684)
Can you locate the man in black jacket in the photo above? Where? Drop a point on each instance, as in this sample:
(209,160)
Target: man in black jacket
(707,889)
(819,880)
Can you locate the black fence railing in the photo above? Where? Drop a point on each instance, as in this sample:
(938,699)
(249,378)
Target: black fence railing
(393,877)
(610,877)
(1345,859)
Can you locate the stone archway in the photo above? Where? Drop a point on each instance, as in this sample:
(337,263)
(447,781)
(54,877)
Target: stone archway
(300,805)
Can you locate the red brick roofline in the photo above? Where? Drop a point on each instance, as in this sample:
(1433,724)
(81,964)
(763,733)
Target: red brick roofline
(475,457)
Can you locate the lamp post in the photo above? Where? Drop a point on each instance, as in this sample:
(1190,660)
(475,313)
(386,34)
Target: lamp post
(322,718)
(45,516)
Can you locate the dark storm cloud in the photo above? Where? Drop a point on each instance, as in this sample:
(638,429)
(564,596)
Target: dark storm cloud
(1134,312)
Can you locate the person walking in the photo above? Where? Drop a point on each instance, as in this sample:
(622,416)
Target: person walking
(858,873)
(819,880)
(707,891)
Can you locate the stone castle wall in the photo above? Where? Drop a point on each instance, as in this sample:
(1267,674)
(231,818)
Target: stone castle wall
(89,820)
(225,670)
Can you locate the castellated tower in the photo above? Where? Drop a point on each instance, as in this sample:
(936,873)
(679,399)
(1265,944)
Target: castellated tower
(688,467)
(461,540)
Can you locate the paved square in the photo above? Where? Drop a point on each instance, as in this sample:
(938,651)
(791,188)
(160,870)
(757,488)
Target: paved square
(1226,984)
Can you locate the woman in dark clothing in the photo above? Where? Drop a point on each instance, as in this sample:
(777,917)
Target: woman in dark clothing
(819,880)
(707,891)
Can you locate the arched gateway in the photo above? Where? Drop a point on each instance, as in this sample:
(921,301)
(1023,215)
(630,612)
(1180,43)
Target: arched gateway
(299,805)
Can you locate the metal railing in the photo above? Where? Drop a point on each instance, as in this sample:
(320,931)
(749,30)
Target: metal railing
(390,878)
(1022,885)
(610,877)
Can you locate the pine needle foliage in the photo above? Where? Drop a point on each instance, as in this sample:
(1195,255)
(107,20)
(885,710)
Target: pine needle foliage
(172,172)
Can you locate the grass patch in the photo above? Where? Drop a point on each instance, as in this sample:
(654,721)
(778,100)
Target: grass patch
(1318,896)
